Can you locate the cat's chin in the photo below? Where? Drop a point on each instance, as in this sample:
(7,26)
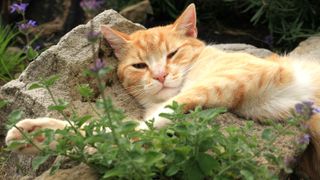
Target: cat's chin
(166,93)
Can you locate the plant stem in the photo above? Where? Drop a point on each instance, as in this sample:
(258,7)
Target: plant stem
(62,113)
(104,99)
(233,164)
(27,138)
(94,109)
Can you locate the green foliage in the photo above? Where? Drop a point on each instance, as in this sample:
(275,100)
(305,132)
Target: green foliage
(287,21)
(11,62)
(3,103)
(13,118)
(193,147)
(173,8)
(119,4)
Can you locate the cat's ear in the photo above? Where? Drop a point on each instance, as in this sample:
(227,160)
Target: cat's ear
(116,39)
(187,22)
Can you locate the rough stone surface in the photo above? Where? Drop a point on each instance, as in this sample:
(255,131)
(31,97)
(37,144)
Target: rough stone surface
(68,59)
(308,49)
(80,172)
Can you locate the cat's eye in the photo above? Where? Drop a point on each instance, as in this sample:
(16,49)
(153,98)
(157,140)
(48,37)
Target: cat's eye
(140,65)
(170,55)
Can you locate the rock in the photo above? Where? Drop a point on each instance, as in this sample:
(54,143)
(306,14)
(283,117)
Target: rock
(138,12)
(308,49)
(68,59)
(80,172)
(263,53)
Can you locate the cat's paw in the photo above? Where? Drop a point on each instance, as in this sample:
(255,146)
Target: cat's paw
(159,121)
(29,126)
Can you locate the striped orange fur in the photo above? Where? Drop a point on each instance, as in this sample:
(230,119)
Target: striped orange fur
(168,63)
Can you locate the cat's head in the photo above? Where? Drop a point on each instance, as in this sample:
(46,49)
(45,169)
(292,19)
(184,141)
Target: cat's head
(154,62)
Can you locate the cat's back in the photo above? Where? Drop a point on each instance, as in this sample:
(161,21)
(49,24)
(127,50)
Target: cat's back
(272,87)
(213,62)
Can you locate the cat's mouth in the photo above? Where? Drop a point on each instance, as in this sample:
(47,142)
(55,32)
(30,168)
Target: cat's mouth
(168,91)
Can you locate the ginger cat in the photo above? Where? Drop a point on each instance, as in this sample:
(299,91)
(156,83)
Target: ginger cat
(164,64)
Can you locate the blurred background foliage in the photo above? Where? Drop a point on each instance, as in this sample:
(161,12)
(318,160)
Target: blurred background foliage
(275,24)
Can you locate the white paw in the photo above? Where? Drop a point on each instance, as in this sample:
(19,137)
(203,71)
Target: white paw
(159,121)
(29,126)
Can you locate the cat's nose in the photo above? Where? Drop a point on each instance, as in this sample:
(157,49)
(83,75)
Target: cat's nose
(161,77)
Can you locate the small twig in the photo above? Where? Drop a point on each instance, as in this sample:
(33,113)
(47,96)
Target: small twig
(27,138)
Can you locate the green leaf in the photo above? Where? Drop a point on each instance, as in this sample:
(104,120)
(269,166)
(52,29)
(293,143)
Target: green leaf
(154,157)
(62,105)
(116,172)
(247,174)
(85,90)
(81,120)
(13,118)
(271,158)
(207,163)
(193,171)
(172,170)
(95,139)
(35,86)
(3,103)
(267,134)
(31,53)
(50,80)
(55,167)
(102,72)
(49,135)
(16,144)
(129,126)
(211,113)
(37,161)
(205,145)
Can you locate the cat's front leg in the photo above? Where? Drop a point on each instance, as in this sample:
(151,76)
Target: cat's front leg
(29,126)
(154,113)
(191,98)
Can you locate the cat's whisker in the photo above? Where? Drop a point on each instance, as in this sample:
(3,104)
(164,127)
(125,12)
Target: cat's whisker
(134,86)
(129,97)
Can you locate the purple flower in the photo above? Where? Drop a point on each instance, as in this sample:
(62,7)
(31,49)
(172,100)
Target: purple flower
(308,103)
(28,25)
(93,36)
(299,108)
(289,161)
(268,40)
(304,139)
(90,5)
(18,7)
(98,65)
(37,47)
(306,109)
(316,110)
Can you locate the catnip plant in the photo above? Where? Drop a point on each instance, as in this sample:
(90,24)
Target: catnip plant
(14,60)
(25,26)
(195,146)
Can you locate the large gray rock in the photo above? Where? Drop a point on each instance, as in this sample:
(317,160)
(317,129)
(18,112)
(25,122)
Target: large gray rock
(68,59)
(80,172)
(308,49)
